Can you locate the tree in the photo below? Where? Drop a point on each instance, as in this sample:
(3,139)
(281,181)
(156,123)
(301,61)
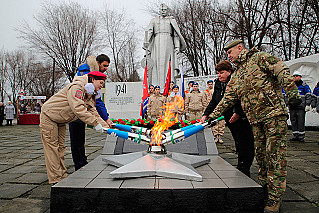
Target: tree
(67,32)
(119,36)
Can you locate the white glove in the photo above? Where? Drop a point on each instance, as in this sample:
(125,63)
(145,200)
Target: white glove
(99,128)
(90,88)
(314,110)
(172,94)
(307,109)
(98,94)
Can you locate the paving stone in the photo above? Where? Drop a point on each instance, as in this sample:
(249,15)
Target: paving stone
(167,183)
(308,190)
(4,167)
(137,183)
(35,162)
(10,191)
(209,183)
(4,178)
(26,205)
(41,192)
(36,178)
(73,182)
(105,183)
(298,176)
(291,196)
(311,158)
(298,207)
(84,174)
(240,182)
(22,169)
(3,202)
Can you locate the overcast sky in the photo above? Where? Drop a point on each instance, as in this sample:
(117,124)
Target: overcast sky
(13,12)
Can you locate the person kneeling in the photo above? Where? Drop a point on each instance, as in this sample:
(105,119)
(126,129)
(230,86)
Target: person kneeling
(75,101)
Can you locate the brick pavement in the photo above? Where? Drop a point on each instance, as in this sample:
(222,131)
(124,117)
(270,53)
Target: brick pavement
(24,186)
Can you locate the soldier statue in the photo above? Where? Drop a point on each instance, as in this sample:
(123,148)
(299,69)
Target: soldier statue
(162,42)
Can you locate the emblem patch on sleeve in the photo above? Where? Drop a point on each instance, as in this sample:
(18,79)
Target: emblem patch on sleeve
(78,94)
(272,60)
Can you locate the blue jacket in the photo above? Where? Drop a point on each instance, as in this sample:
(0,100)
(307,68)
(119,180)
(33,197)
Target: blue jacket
(100,106)
(315,99)
(305,93)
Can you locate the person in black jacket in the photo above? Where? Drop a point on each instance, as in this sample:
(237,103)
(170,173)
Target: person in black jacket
(235,119)
(1,113)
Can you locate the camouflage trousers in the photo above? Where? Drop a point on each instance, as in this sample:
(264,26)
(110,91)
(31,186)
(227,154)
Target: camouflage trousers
(219,128)
(271,154)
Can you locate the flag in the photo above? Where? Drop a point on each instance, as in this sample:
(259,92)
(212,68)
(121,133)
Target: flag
(145,94)
(168,79)
(182,91)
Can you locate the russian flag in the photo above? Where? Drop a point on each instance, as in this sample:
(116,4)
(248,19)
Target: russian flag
(145,94)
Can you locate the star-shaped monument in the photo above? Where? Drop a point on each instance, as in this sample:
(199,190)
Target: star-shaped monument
(144,164)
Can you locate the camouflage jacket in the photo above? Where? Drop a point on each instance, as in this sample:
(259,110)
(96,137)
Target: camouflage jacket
(257,84)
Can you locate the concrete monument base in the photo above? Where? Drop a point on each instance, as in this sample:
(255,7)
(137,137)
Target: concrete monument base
(223,187)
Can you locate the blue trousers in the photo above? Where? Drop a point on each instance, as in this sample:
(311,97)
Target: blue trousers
(77,137)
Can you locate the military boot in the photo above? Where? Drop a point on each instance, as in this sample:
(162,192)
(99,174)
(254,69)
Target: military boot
(272,206)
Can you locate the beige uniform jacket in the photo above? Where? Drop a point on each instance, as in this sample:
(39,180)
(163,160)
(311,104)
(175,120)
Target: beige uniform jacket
(154,105)
(72,103)
(209,95)
(179,110)
(195,101)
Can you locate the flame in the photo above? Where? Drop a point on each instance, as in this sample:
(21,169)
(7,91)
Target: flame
(166,121)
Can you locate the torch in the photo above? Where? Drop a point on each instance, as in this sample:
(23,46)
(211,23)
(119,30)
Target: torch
(137,138)
(133,129)
(179,136)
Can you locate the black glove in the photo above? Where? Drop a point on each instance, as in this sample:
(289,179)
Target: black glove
(294,103)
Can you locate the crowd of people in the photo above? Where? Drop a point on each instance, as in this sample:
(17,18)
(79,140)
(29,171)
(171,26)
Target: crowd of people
(8,111)
(254,91)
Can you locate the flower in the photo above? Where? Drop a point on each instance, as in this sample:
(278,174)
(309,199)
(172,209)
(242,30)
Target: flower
(193,121)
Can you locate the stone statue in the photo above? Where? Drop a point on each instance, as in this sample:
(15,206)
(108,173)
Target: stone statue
(162,41)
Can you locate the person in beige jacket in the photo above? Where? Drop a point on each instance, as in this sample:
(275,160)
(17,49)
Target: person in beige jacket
(195,103)
(173,97)
(76,100)
(209,91)
(155,104)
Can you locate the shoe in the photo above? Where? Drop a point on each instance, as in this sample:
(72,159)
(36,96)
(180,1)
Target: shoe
(216,139)
(220,140)
(272,206)
(294,139)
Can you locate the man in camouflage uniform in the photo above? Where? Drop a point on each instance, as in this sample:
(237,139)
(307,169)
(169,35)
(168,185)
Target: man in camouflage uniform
(257,84)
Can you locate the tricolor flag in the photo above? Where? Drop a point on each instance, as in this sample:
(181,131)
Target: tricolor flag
(168,79)
(182,90)
(145,94)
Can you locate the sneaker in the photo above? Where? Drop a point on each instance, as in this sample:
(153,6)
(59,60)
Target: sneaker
(272,206)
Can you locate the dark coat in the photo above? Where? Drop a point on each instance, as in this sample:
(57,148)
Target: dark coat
(219,90)
(241,129)
(1,113)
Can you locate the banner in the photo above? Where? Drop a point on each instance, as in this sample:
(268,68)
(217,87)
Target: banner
(168,79)
(145,94)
